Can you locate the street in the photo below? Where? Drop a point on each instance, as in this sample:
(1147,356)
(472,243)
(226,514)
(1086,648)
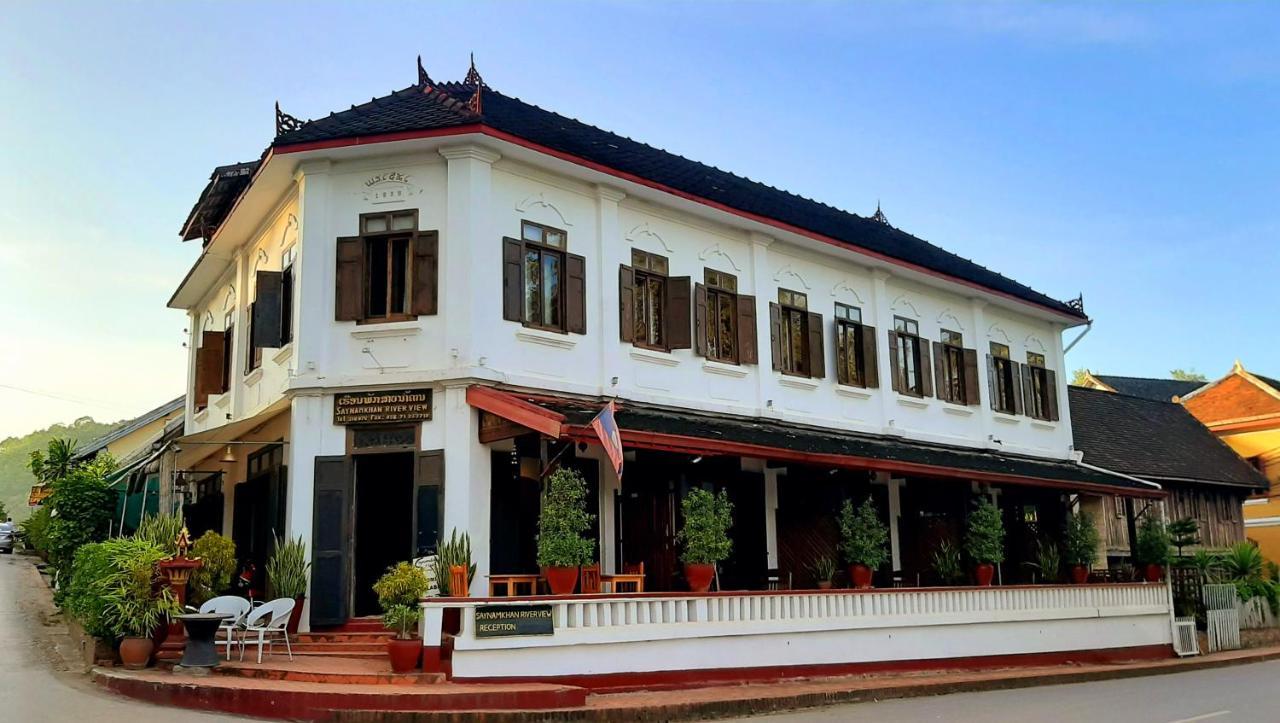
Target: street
(35,683)
(1243,693)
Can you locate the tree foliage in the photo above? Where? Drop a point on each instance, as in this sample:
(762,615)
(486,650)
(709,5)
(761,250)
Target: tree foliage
(563,520)
(705,534)
(984,538)
(15,457)
(863,537)
(1081,539)
(218,563)
(81,507)
(1187,375)
(1079,377)
(1184,533)
(1152,547)
(399,591)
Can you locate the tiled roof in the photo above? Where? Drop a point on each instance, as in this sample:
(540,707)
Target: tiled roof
(1160,390)
(444,106)
(1153,440)
(226,183)
(169,407)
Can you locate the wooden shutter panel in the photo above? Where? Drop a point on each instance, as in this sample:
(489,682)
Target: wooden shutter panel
(699,320)
(675,320)
(842,355)
(209,372)
(992,386)
(512,280)
(1051,381)
(575,291)
(870,360)
(428,499)
(895,364)
(266,310)
(926,379)
(973,395)
(817,349)
(626,303)
(426,274)
(349,294)
(939,372)
(1028,391)
(747,343)
(775,335)
(331,542)
(1016,373)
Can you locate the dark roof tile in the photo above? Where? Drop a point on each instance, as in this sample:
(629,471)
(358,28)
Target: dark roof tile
(1159,390)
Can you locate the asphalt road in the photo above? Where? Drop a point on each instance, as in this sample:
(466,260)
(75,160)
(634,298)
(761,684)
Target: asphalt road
(36,683)
(1241,693)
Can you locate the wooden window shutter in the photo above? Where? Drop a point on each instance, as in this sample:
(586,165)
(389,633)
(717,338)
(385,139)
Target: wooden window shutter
(266,310)
(775,335)
(842,355)
(992,384)
(1016,374)
(926,379)
(699,320)
(626,303)
(575,294)
(747,351)
(426,274)
(870,360)
(972,393)
(939,371)
(209,373)
(1028,392)
(428,499)
(349,294)
(1051,381)
(895,364)
(675,320)
(817,349)
(512,280)
(331,541)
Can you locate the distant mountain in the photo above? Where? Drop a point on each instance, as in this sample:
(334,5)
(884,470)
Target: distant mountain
(16,479)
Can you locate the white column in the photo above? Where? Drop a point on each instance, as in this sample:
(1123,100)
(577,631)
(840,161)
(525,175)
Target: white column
(1064,380)
(894,487)
(884,324)
(771,515)
(762,286)
(467,483)
(980,342)
(314,270)
(470,256)
(609,253)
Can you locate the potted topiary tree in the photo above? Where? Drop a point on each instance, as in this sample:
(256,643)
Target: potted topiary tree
(135,603)
(1152,547)
(399,592)
(212,578)
(287,576)
(984,540)
(562,549)
(1080,544)
(705,536)
(863,541)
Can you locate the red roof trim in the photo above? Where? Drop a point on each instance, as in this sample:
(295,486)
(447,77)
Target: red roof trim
(517,410)
(517,140)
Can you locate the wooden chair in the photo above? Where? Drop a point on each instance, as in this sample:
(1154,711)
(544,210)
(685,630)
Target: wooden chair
(591,579)
(631,579)
(775,579)
(510,585)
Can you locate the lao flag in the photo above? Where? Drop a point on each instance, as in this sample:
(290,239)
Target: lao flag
(607,430)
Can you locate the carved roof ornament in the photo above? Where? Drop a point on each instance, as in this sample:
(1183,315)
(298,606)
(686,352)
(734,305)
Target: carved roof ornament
(286,122)
(1077,303)
(473,79)
(424,81)
(879,215)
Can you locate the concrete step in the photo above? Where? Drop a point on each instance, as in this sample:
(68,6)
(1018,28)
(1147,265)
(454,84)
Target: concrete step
(343,637)
(327,669)
(370,646)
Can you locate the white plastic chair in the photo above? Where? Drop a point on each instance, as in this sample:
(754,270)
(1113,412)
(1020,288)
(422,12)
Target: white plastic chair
(267,622)
(237,607)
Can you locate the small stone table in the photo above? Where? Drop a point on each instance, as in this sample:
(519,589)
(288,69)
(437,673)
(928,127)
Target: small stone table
(202,629)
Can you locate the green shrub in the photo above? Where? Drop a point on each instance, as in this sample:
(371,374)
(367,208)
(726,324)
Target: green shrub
(984,538)
(218,563)
(1152,546)
(1080,541)
(823,569)
(35,531)
(864,538)
(705,535)
(162,531)
(563,520)
(1184,533)
(134,605)
(84,506)
(946,562)
(287,569)
(455,552)
(1048,560)
(85,596)
(399,591)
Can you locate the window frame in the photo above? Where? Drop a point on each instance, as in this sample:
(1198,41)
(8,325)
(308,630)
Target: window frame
(389,235)
(794,362)
(954,389)
(909,347)
(641,277)
(721,295)
(850,332)
(1006,387)
(1040,390)
(542,249)
(228,349)
(287,261)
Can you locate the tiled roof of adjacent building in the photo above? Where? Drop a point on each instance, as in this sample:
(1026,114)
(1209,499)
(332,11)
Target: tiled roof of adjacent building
(1160,390)
(431,106)
(1153,440)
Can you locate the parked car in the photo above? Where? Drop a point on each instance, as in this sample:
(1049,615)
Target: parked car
(7,533)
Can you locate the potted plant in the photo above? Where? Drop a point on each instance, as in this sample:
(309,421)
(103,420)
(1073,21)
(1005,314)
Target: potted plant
(134,603)
(562,548)
(452,554)
(705,536)
(1152,547)
(823,569)
(1080,543)
(213,578)
(399,592)
(863,541)
(287,576)
(946,562)
(1048,561)
(984,540)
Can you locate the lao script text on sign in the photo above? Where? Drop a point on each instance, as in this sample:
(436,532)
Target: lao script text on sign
(405,405)
(497,621)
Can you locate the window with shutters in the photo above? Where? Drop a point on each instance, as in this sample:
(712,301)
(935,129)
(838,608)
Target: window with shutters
(794,338)
(252,352)
(387,273)
(854,367)
(228,335)
(721,326)
(952,387)
(286,295)
(1004,387)
(544,276)
(1040,395)
(909,372)
(648,317)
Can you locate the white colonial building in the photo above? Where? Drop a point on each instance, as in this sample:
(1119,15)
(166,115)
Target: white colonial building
(403,312)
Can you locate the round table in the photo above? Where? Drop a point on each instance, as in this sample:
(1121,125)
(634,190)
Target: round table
(202,629)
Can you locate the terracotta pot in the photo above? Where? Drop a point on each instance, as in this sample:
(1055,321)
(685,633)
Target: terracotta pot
(984,572)
(404,654)
(699,576)
(824,585)
(1154,572)
(1079,574)
(561,580)
(295,617)
(860,576)
(135,653)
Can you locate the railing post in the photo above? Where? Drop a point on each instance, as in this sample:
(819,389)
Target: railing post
(699,610)
(430,628)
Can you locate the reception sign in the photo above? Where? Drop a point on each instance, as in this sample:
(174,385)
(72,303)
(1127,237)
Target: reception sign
(500,621)
(382,407)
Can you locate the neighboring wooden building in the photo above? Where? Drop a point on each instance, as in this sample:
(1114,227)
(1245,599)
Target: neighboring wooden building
(1161,442)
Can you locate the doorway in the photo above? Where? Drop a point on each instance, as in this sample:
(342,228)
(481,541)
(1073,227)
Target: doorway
(383,522)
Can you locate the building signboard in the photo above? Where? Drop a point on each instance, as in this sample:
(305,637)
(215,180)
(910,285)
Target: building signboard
(501,621)
(382,407)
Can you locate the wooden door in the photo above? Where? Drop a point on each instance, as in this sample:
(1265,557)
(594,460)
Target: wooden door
(428,499)
(331,542)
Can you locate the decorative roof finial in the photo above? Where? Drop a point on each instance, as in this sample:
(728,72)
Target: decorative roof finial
(286,122)
(1237,368)
(473,75)
(473,79)
(424,80)
(879,215)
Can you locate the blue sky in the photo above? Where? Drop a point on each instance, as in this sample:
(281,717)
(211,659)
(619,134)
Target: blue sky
(1127,151)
